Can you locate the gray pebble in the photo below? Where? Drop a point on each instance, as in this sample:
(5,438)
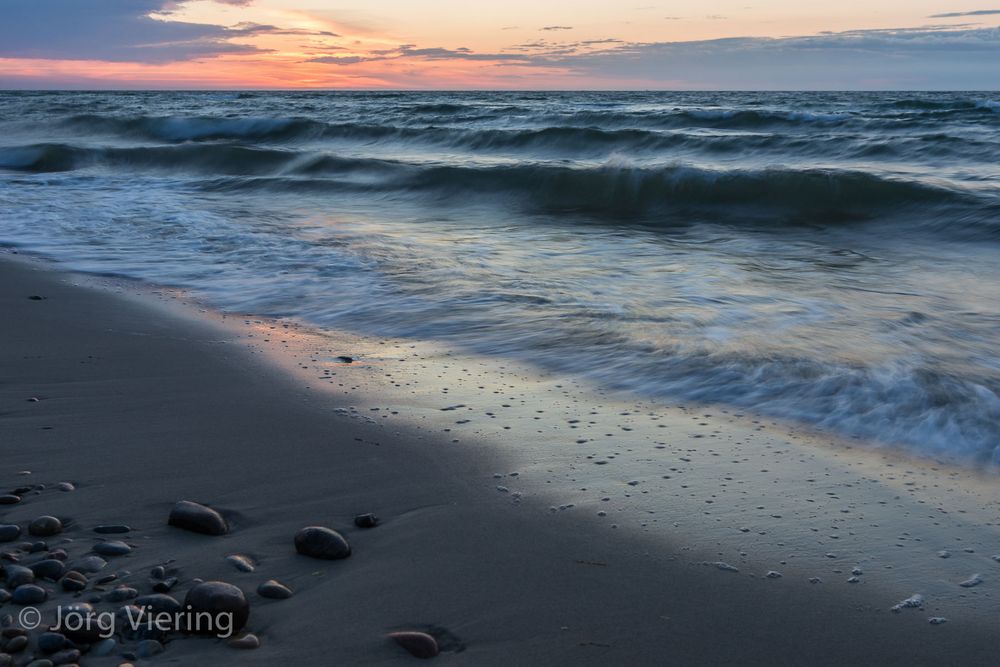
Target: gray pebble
(112,548)
(197,518)
(274,590)
(320,542)
(45,526)
(29,594)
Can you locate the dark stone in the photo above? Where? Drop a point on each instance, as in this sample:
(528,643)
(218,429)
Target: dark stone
(51,642)
(112,548)
(112,529)
(121,594)
(16,644)
(366,520)
(66,657)
(58,554)
(73,581)
(89,564)
(9,532)
(50,569)
(245,642)
(158,603)
(29,594)
(9,499)
(274,590)
(418,644)
(45,526)
(319,542)
(158,572)
(66,486)
(17,575)
(345,359)
(166,585)
(216,598)
(197,518)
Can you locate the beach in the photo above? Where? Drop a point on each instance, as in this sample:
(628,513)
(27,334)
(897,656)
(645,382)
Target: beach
(140,398)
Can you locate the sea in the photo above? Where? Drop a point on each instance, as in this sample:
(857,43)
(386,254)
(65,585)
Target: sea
(828,259)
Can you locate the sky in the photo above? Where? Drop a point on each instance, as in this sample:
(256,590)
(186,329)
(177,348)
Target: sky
(508,44)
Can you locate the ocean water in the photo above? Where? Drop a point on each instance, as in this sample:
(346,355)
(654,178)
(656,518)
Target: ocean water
(832,259)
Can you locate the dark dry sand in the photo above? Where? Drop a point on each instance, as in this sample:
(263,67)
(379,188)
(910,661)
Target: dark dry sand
(140,407)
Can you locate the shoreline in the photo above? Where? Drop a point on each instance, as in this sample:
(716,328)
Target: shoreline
(141,406)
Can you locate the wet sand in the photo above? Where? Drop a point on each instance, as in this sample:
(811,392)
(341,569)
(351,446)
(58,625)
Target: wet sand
(524,519)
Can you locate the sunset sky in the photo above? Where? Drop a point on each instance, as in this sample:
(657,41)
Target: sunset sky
(525,44)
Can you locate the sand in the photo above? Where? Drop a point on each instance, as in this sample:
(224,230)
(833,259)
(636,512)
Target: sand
(491,532)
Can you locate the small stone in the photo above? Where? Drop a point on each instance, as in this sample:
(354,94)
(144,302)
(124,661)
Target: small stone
(197,518)
(66,486)
(112,529)
(366,520)
(121,594)
(216,598)
(418,644)
(112,548)
(241,562)
(45,526)
(148,648)
(247,641)
(158,603)
(29,594)
(166,585)
(51,642)
(49,568)
(158,572)
(772,574)
(274,590)
(937,620)
(73,581)
(319,542)
(103,647)
(9,532)
(9,499)
(16,644)
(345,359)
(65,657)
(17,575)
(89,564)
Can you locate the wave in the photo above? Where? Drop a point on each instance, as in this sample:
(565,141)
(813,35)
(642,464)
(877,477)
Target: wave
(608,187)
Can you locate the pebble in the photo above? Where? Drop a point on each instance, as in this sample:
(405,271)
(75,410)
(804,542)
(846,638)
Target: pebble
(725,567)
(158,572)
(29,594)
(103,647)
(74,581)
(148,648)
(16,644)
(366,520)
(18,575)
(166,585)
(121,594)
(247,641)
(66,486)
(217,597)
(9,532)
(772,574)
(319,542)
(274,590)
(418,644)
(9,499)
(112,548)
(158,603)
(89,564)
(241,562)
(112,529)
(937,620)
(51,642)
(49,568)
(69,656)
(45,526)
(197,518)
